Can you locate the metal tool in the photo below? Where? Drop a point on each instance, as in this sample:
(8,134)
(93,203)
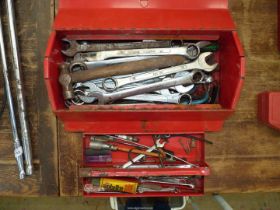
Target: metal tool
(18,152)
(104,98)
(67,78)
(168,180)
(127,138)
(147,166)
(112,83)
(91,86)
(75,47)
(102,146)
(190,51)
(142,188)
(80,64)
(171,98)
(158,144)
(19,89)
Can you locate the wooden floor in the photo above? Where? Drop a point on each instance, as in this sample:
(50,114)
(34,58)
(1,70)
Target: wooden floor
(244,158)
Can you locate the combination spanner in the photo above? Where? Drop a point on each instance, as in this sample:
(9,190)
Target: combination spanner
(171,98)
(103,98)
(190,51)
(111,84)
(75,47)
(78,64)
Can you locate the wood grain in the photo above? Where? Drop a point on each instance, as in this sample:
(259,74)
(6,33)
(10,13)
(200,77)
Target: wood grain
(33,20)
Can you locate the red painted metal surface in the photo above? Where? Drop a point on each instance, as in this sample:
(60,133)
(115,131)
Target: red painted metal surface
(136,119)
(196,156)
(269,109)
(139,20)
(143,15)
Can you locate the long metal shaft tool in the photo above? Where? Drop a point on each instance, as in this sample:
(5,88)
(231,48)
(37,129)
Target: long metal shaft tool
(17,145)
(19,88)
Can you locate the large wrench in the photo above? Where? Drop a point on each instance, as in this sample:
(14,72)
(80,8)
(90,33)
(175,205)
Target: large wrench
(79,64)
(111,84)
(139,157)
(191,51)
(103,98)
(75,47)
(162,96)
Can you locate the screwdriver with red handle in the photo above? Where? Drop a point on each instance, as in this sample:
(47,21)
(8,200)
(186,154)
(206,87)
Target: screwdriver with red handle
(102,146)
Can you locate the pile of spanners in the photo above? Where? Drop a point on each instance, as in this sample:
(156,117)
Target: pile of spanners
(136,72)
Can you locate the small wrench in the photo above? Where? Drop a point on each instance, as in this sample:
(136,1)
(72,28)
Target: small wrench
(139,157)
(142,188)
(171,98)
(111,84)
(103,98)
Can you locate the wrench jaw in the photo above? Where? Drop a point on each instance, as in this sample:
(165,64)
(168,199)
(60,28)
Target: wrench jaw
(202,60)
(99,97)
(72,46)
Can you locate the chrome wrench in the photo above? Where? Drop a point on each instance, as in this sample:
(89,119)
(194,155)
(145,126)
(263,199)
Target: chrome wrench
(79,64)
(139,157)
(167,180)
(171,98)
(142,188)
(191,51)
(75,47)
(111,84)
(17,145)
(19,89)
(103,98)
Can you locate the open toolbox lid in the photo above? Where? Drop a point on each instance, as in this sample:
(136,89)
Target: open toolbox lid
(137,15)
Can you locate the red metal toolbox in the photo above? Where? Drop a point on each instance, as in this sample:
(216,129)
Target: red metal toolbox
(146,20)
(269,109)
(108,168)
(138,20)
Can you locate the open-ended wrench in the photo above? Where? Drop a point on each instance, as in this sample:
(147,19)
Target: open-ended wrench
(75,47)
(139,157)
(103,98)
(190,51)
(111,84)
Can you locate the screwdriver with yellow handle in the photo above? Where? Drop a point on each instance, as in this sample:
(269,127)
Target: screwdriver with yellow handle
(102,146)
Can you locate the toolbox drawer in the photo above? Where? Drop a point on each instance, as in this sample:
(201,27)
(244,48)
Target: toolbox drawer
(152,22)
(110,170)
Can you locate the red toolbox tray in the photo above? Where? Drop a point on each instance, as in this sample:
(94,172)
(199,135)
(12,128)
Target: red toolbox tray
(269,109)
(108,169)
(139,20)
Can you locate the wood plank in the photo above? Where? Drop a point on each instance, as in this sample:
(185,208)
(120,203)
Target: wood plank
(47,129)
(32,28)
(245,155)
(70,155)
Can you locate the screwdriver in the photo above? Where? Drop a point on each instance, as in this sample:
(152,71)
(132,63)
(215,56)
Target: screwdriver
(102,146)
